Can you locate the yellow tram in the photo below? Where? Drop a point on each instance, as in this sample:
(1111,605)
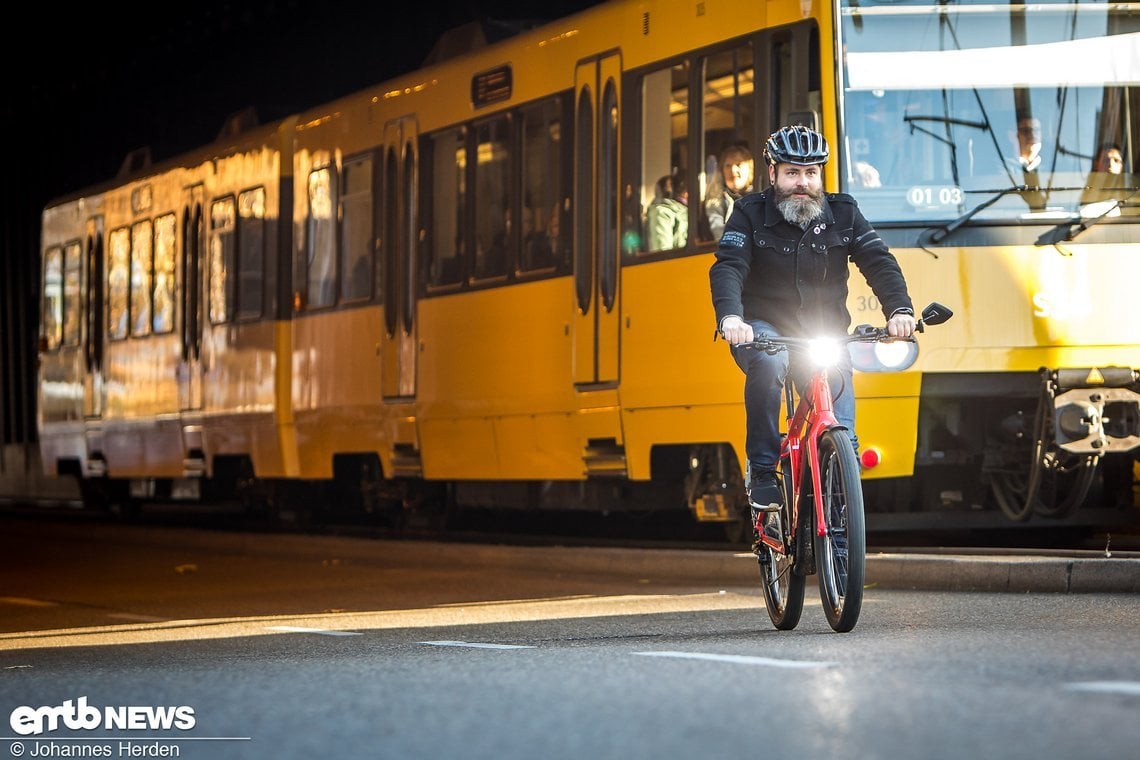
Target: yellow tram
(445,288)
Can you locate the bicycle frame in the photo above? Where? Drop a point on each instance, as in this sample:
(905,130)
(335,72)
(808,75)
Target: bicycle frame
(811,417)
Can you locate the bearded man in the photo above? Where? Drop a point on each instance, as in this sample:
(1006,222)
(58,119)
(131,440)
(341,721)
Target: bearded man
(781,269)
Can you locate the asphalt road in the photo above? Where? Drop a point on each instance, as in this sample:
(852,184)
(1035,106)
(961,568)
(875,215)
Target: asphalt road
(216,645)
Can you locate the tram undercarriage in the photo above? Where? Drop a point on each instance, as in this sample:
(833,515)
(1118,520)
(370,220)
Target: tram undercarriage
(1027,445)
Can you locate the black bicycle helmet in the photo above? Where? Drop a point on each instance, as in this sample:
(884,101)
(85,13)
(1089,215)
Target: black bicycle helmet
(797,145)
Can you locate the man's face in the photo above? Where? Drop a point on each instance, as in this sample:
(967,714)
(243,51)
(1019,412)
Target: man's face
(799,191)
(1028,135)
(799,183)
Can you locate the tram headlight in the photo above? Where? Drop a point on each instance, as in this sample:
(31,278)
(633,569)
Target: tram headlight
(884,356)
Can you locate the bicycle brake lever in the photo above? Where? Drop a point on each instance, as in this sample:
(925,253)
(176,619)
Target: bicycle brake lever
(870,332)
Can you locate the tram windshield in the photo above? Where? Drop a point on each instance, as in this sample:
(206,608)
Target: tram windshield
(951,104)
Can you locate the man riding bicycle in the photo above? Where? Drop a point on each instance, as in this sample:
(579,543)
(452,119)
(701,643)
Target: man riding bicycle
(781,269)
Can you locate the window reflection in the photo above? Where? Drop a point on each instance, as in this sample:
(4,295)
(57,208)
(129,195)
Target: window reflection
(52,327)
(142,271)
(72,287)
(118,282)
(221,260)
(321,240)
(943,108)
(164,248)
(251,258)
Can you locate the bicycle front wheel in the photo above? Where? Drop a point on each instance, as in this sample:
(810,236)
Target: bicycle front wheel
(841,552)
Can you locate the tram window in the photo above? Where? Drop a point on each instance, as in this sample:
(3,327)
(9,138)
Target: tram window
(251,253)
(796,79)
(221,260)
(321,240)
(356,229)
(656,217)
(164,247)
(52,327)
(545,200)
(118,282)
(72,287)
(728,82)
(142,273)
(494,228)
(448,153)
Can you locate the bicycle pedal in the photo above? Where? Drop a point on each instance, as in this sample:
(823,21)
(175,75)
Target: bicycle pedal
(764,507)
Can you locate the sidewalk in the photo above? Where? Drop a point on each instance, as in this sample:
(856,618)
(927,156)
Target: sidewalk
(945,570)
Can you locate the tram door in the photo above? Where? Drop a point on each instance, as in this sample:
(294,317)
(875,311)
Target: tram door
(596,221)
(398,244)
(190,300)
(95,333)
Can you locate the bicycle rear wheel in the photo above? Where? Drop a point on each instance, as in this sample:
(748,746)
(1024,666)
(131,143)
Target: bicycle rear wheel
(841,551)
(783,586)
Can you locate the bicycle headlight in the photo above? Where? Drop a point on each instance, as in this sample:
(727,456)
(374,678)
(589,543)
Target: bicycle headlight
(823,352)
(888,356)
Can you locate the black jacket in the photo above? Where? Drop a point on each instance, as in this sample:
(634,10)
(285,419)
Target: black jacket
(796,280)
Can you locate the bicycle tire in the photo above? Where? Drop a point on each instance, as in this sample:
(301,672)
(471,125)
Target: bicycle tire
(841,552)
(783,587)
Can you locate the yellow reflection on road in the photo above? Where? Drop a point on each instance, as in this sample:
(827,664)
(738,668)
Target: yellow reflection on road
(513,611)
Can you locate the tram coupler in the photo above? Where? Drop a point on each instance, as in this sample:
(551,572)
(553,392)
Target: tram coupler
(1096,410)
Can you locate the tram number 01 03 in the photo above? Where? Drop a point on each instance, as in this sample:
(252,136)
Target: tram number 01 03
(925,196)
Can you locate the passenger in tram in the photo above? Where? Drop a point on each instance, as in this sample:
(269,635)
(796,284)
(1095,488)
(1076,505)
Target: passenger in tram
(632,222)
(734,179)
(1024,166)
(781,268)
(1109,160)
(544,248)
(667,220)
(491,260)
(1105,183)
(1028,136)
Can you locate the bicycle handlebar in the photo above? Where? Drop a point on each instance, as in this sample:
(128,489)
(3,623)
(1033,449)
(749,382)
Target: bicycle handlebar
(934,314)
(862,334)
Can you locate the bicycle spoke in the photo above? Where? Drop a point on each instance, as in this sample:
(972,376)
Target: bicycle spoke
(836,528)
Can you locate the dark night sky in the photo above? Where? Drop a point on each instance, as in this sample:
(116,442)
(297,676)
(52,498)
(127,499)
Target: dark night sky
(102,85)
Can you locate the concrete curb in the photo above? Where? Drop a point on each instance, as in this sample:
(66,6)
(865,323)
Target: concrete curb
(1067,572)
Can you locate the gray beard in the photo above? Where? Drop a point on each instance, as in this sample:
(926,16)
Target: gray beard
(800,212)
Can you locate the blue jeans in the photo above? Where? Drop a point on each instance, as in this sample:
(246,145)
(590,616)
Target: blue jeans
(764,397)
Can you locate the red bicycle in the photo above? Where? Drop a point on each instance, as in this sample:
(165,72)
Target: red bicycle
(821,521)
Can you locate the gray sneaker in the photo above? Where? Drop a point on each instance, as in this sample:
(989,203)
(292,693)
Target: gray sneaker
(765,499)
(764,494)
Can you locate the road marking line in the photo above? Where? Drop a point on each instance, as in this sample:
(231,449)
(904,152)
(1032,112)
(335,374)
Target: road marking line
(741,659)
(322,631)
(136,618)
(475,645)
(1132,688)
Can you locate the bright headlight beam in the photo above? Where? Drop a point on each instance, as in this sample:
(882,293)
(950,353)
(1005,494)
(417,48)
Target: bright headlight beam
(823,353)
